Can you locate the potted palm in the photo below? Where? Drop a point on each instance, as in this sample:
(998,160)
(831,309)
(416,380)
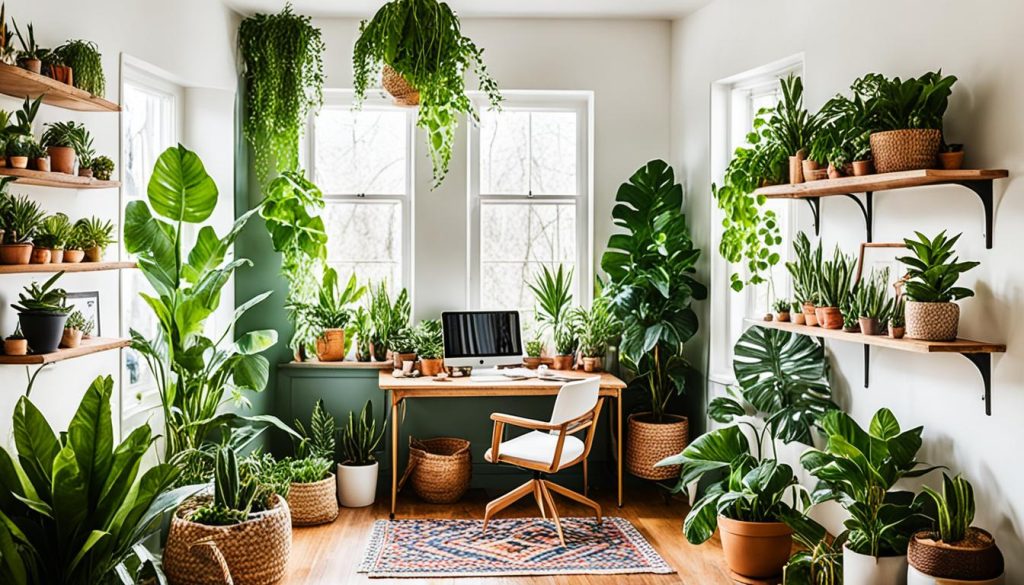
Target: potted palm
(313,495)
(429,346)
(53,236)
(552,291)
(75,328)
(15,343)
(874,302)
(595,327)
(805,271)
(42,312)
(21,219)
(95,235)
(834,289)
(933,271)
(357,467)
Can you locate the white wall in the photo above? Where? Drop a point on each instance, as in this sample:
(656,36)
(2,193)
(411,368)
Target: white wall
(840,42)
(194,41)
(625,63)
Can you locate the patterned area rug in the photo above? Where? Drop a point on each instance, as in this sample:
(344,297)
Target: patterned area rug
(514,546)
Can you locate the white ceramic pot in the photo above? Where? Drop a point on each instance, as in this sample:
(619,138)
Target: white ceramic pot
(915,577)
(357,485)
(861,569)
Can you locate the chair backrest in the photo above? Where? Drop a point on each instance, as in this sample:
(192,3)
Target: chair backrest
(576,399)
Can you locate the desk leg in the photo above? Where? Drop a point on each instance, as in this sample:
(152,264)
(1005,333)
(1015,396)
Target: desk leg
(618,440)
(394,453)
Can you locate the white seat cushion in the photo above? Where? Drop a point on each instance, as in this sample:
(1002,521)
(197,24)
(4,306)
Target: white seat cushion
(539,447)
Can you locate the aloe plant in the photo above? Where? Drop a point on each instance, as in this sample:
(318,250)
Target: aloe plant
(21,219)
(835,280)
(43,299)
(360,438)
(54,232)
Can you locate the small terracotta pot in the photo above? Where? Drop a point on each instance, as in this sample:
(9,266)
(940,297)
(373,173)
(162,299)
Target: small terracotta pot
(531,362)
(861,168)
(756,550)
(15,346)
(807,167)
(816,175)
(62,159)
(42,164)
(71,338)
(62,73)
(73,256)
(33,65)
(799,319)
(951,161)
(18,162)
(591,364)
(85,172)
(796,170)
(94,254)
(431,367)
(400,359)
(810,315)
(330,346)
(897,332)
(15,253)
(782,317)
(56,256)
(41,255)
(833,172)
(870,326)
(561,362)
(829,317)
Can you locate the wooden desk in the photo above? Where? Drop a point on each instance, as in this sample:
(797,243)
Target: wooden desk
(423,387)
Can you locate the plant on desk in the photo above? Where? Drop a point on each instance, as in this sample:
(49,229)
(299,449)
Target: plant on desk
(552,291)
(429,339)
(596,327)
(358,466)
(403,348)
(42,312)
(534,349)
(934,270)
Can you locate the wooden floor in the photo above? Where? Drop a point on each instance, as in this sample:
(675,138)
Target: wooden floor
(330,553)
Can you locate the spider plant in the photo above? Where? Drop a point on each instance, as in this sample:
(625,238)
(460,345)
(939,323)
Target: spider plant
(21,219)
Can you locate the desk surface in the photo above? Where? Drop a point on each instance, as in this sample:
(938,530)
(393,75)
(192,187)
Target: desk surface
(425,386)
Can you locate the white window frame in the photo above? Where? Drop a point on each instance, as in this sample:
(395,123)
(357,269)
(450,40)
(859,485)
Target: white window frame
(730,106)
(337,98)
(582,104)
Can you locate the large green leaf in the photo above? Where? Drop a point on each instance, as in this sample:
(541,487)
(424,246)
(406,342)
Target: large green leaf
(37,445)
(180,189)
(154,241)
(91,435)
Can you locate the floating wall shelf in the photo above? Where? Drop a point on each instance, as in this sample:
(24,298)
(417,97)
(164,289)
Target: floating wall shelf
(88,347)
(57,180)
(978,353)
(978,181)
(21,83)
(69,268)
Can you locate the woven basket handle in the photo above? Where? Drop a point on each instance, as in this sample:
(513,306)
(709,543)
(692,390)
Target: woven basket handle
(209,551)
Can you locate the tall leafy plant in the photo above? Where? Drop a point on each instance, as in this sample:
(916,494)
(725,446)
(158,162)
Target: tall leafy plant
(552,291)
(389,319)
(652,281)
(897,104)
(195,374)
(319,438)
(282,57)
(934,270)
(806,269)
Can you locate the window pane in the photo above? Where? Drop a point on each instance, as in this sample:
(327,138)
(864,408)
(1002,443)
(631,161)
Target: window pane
(553,153)
(361,151)
(365,237)
(504,148)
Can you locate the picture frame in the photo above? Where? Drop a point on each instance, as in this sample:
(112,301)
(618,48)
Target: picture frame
(88,303)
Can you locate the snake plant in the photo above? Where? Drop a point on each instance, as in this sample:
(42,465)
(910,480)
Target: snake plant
(873,299)
(835,280)
(806,269)
(360,438)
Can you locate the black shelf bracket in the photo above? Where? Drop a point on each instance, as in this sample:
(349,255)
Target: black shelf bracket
(815,204)
(867,365)
(983,189)
(983,361)
(866,209)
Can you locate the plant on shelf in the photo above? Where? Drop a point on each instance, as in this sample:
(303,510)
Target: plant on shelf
(933,271)
(22,218)
(425,58)
(429,338)
(84,151)
(362,331)
(834,285)
(8,54)
(781,307)
(552,292)
(651,268)
(851,310)
(61,140)
(318,440)
(86,62)
(874,302)
(75,328)
(102,168)
(357,461)
(282,56)
(897,319)
(842,141)
(17,152)
(326,320)
(42,311)
(95,235)
(195,375)
(596,327)
(388,318)
(805,272)
(31,54)
(38,157)
(403,347)
(15,343)
(76,506)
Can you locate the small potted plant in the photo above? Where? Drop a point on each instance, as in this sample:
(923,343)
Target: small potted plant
(951,156)
(797,315)
(39,158)
(874,302)
(931,290)
(954,551)
(42,312)
(21,219)
(31,55)
(552,291)
(782,310)
(565,346)
(534,349)
(84,58)
(15,343)
(833,289)
(313,495)
(860,146)
(403,349)
(596,327)
(851,314)
(102,168)
(430,346)
(95,235)
(57,70)
(361,331)
(805,271)
(331,314)
(85,152)
(75,328)
(60,140)
(53,236)
(18,151)
(357,470)
(897,323)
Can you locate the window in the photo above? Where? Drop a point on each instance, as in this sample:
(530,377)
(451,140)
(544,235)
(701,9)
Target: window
(529,197)
(361,160)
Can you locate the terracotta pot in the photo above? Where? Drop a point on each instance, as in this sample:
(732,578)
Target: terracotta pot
(15,253)
(833,172)
(531,362)
(62,159)
(861,168)
(41,255)
(897,332)
(905,150)
(976,558)
(18,162)
(782,317)
(330,346)
(796,169)
(62,73)
(42,164)
(431,367)
(808,166)
(951,161)
(33,65)
(932,321)
(71,338)
(56,256)
(756,550)
(768,317)
(399,359)
(829,317)
(85,172)
(94,254)
(73,256)
(15,346)
(649,442)
(592,364)
(816,175)
(870,326)
(810,315)
(562,362)
(799,319)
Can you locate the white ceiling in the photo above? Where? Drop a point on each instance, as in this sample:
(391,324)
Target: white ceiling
(661,9)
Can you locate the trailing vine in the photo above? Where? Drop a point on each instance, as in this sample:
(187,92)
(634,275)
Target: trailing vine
(282,56)
(84,58)
(422,40)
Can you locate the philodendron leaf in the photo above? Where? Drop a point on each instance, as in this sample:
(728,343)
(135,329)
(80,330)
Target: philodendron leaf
(180,189)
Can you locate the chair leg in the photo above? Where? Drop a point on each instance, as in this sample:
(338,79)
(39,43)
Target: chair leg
(554,510)
(499,504)
(539,496)
(575,497)
(586,482)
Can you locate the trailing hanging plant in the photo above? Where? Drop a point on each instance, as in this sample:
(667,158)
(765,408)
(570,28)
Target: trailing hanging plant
(423,42)
(84,58)
(282,56)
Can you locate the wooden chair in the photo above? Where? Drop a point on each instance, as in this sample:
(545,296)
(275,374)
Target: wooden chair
(549,447)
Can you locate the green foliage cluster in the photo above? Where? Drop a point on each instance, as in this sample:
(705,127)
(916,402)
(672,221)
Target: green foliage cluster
(954,508)
(873,298)
(595,327)
(360,438)
(84,58)
(319,440)
(310,469)
(534,348)
(835,280)
(29,48)
(241,488)
(552,291)
(362,330)
(102,168)
(54,232)
(94,232)
(43,299)
(934,270)
(20,217)
(388,318)
(78,322)
(428,338)
(68,134)
(897,104)
(332,309)
(899,311)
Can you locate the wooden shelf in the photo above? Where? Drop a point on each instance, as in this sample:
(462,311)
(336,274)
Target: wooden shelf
(58,180)
(77,267)
(346,365)
(88,347)
(22,83)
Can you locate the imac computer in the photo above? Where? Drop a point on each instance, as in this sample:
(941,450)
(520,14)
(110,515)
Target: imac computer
(482,340)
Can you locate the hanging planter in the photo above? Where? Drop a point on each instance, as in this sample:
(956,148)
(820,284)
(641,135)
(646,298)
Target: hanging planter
(419,47)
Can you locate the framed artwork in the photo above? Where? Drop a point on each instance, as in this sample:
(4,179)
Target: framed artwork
(88,303)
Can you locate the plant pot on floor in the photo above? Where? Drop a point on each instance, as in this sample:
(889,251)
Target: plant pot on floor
(649,442)
(562,362)
(861,569)
(71,338)
(73,256)
(829,317)
(357,485)
(870,326)
(62,159)
(18,162)
(905,150)
(976,559)
(932,321)
(330,346)
(755,550)
(15,253)
(592,364)
(810,315)
(42,330)
(313,503)
(41,255)
(431,367)
(15,347)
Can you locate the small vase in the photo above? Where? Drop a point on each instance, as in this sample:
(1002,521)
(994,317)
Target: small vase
(951,161)
(810,315)
(56,256)
(71,338)
(799,319)
(42,164)
(562,362)
(15,347)
(531,362)
(73,256)
(829,317)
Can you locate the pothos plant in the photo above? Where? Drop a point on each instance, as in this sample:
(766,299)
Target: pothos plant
(282,55)
(422,41)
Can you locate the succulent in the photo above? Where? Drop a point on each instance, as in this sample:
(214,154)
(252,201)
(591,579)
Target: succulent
(16,335)
(54,232)
(781,305)
(429,339)
(534,348)
(95,232)
(21,218)
(102,168)
(43,299)
(78,322)
(310,469)
(834,281)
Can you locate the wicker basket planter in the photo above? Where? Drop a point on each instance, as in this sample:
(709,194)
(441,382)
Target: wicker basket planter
(439,469)
(254,552)
(403,93)
(650,442)
(978,559)
(905,150)
(932,321)
(313,503)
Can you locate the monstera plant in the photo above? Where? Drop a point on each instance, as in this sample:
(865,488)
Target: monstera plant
(194,373)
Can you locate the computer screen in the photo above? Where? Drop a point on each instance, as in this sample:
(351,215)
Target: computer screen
(482,338)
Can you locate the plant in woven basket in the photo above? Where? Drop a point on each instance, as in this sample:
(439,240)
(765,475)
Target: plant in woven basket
(834,282)
(86,61)
(898,104)
(360,438)
(423,42)
(241,488)
(319,440)
(934,270)
(282,56)
(311,469)
(428,338)
(806,269)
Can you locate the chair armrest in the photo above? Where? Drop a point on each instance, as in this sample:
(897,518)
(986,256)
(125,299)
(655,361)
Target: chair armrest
(525,423)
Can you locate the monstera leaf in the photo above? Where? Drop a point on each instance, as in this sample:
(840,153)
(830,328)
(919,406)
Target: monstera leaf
(784,376)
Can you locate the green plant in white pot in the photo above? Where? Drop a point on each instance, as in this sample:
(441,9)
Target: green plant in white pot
(358,466)
(933,271)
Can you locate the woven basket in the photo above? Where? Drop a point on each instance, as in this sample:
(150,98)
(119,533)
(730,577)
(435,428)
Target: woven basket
(905,150)
(651,442)
(403,93)
(943,561)
(313,503)
(932,321)
(254,552)
(439,469)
